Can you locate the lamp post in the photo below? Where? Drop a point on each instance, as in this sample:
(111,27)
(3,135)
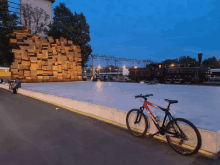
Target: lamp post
(118,73)
(135,71)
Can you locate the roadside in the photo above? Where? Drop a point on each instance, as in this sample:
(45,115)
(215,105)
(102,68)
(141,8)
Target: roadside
(35,132)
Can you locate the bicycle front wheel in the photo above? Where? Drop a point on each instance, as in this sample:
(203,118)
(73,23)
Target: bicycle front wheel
(137,123)
(183,136)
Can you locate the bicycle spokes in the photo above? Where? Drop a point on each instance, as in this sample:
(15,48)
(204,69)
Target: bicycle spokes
(183,137)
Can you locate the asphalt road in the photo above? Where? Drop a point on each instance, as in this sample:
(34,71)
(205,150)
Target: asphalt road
(36,133)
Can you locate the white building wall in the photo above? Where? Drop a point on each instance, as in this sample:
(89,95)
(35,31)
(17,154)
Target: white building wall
(44,4)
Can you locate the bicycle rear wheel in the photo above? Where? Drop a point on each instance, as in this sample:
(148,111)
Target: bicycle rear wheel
(186,140)
(140,128)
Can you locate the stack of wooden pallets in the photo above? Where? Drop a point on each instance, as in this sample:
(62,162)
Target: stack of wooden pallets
(43,59)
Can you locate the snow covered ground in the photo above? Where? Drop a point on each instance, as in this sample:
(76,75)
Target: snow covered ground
(198,104)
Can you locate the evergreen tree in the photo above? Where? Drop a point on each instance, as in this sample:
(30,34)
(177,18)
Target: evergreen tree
(72,27)
(7,25)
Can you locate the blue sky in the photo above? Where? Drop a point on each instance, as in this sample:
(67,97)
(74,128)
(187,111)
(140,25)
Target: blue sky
(151,30)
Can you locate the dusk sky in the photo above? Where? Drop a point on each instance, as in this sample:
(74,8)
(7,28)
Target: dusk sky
(151,30)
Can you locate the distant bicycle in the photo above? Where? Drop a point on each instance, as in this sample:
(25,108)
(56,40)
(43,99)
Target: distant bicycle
(177,134)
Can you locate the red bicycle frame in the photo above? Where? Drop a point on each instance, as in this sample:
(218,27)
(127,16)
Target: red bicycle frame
(145,105)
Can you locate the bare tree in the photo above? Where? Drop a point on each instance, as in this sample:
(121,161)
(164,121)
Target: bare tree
(36,19)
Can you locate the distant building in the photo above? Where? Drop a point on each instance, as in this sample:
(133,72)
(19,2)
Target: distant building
(44,4)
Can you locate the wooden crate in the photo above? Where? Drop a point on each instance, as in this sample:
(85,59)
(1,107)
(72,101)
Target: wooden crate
(39,72)
(14,70)
(21,72)
(59,57)
(40,77)
(45,73)
(44,67)
(50,73)
(54,68)
(34,65)
(79,78)
(25,63)
(59,68)
(44,62)
(33,59)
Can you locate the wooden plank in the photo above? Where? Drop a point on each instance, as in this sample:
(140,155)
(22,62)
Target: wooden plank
(45,73)
(24,57)
(44,67)
(55,68)
(39,72)
(27,63)
(14,70)
(21,73)
(33,59)
(35,36)
(44,62)
(13,40)
(39,56)
(17,61)
(50,73)
(34,65)
(40,77)
(49,67)
(20,66)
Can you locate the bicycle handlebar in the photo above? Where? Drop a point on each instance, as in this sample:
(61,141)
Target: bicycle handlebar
(144,96)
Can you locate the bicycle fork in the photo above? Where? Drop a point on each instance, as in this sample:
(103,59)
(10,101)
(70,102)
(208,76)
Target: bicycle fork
(139,115)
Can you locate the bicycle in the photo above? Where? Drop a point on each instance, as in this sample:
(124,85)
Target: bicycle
(171,130)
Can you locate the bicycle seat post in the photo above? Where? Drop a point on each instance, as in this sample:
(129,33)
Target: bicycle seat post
(168,107)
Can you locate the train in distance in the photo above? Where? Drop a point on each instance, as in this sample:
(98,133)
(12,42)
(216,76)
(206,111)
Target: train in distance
(174,73)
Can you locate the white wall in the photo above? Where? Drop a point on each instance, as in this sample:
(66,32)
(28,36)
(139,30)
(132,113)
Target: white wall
(44,4)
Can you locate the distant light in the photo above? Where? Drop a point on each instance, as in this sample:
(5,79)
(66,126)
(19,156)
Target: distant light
(85,71)
(135,67)
(172,65)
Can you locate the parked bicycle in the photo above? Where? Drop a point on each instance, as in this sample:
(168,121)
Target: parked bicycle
(177,134)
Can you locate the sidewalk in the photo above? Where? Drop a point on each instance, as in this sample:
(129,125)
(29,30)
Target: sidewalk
(35,132)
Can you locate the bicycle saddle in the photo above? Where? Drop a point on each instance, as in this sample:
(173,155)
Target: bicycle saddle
(171,101)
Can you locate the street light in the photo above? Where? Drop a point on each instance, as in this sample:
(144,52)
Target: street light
(110,69)
(135,67)
(118,73)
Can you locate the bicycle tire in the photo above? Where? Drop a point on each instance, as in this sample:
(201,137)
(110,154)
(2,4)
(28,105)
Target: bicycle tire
(187,146)
(138,132)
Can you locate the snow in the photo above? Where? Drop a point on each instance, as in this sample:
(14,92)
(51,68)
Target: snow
(198,104)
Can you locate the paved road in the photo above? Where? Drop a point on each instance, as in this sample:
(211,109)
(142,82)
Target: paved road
(35,133)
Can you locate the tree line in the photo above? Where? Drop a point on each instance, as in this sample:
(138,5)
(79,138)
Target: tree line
(187,61)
